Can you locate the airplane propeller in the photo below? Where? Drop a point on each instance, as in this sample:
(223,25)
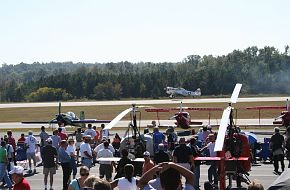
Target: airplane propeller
(226,118)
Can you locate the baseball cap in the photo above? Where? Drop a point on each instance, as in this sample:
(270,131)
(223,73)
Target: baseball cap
(49,140)
(17,170)
(146,153)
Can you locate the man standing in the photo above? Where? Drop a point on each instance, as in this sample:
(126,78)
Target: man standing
(161,155)
(43,136)
(3,165)
(86,152)
(30,144)
(212,170)
(105,166)
(55,139)
(12,142)
(90,131)
(276,146)
(158,138)
(49,156)
(61,134)
(182,154)
(64,160)
(148,163)
(20,183)
(104,132)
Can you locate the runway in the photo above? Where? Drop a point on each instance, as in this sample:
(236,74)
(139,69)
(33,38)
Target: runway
(140,102)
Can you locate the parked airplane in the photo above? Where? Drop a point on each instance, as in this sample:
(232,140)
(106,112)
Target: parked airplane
(173,92)
(68,118)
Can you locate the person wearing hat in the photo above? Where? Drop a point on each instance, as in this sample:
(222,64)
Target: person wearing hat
(86,151)
(20,183)
(3,165)
(30,144)
(276,147)
(49,158)
(148,163)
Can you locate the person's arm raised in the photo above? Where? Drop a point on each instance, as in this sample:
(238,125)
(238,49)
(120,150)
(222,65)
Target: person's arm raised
(189,176)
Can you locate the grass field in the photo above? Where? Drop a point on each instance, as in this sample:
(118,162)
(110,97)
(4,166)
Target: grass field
(109,112)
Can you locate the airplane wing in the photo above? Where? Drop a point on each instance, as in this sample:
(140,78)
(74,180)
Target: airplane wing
(222,129)
(157,109)
(199,108)
(236,93)
(90,121)
(38,122)
(266,107)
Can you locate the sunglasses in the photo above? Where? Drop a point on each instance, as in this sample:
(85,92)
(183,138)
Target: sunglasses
(84,174)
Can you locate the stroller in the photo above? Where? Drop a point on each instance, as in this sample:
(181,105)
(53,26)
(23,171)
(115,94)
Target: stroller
(21,157)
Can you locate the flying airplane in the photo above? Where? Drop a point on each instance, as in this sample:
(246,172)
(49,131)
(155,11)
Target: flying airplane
(232,147)
(182,117)
(68,118)
(173,92)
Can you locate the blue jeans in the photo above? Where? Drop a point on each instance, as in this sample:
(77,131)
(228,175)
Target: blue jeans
(87,162)
(4,175)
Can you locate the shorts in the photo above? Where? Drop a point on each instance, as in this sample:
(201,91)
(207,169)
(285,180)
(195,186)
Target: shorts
(78,145)
(46,171)
(30,155)
(105,170)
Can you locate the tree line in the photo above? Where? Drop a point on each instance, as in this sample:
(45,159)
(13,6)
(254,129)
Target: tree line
(261,71)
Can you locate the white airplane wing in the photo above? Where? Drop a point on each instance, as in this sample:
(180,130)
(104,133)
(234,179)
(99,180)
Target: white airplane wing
(111,159)
(118,118)
(222,130)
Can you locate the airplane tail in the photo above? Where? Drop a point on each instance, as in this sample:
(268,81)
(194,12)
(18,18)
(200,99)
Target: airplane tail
(197,92)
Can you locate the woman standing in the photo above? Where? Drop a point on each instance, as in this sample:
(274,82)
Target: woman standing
(78,183)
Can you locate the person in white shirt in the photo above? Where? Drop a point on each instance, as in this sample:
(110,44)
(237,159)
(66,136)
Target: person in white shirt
(106,167)
(72,152)
(86,152)
(128,182)
(30,144)
(212,170)
(101,146)
(104,132)
(90,131)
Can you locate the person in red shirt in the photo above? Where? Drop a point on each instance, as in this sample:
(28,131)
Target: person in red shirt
(20,183)
(21,140)
(11,141)
(62,135)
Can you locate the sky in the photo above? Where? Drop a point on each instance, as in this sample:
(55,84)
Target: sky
(137,31)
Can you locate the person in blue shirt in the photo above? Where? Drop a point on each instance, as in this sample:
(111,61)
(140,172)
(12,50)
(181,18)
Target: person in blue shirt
(64,160)
(158,138)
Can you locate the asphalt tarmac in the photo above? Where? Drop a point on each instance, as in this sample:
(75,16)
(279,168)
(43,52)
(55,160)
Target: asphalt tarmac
(262,173)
